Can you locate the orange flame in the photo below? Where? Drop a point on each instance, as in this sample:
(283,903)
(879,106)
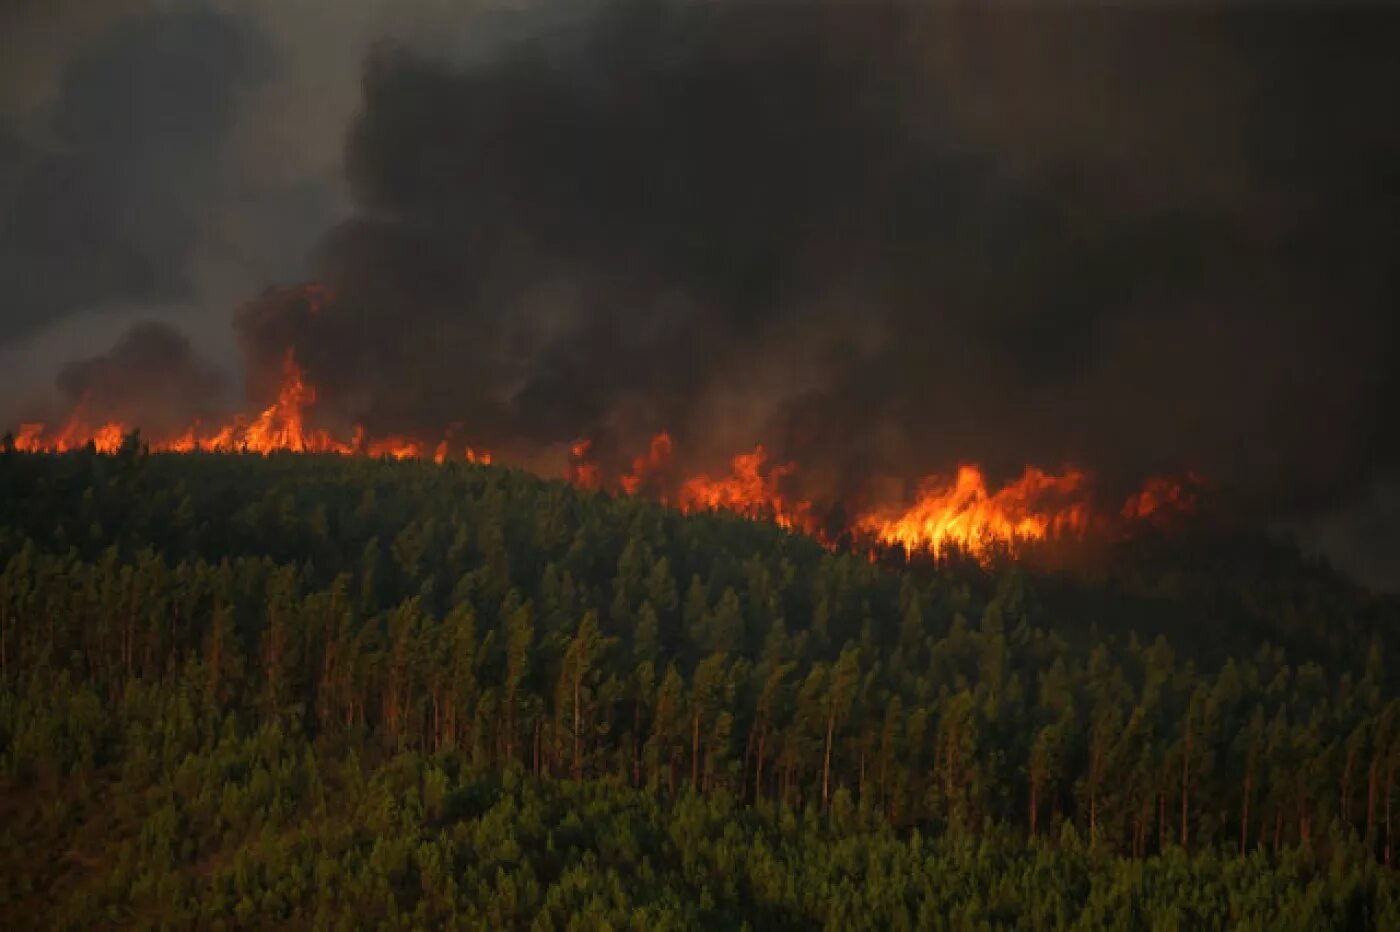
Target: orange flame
(749,491)
(1161,495)
(582,471)
(649,470)
(281,426)
(965,514)
(73,435)
(960,512)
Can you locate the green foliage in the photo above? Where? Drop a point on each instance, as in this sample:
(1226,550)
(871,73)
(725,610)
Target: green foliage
(245,691)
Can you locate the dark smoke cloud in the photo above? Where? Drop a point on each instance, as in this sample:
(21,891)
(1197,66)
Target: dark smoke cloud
(152,377)
(883,238)
(105,199)
(880,238)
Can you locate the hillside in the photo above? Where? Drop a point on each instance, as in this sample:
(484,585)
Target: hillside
(297,689)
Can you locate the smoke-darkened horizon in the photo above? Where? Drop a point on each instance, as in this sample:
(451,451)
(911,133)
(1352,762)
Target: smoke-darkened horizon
(880,239)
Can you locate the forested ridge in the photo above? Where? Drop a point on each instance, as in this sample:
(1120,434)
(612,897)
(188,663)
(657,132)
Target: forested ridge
(306,690)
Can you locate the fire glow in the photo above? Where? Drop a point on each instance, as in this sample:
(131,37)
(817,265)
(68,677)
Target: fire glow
(1037,506)
(962,511)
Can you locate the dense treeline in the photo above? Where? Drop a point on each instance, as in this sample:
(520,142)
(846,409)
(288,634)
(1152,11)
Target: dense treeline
(267,688)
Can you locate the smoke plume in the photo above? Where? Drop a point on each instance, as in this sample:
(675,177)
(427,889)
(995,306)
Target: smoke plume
(151,377)
(879,238)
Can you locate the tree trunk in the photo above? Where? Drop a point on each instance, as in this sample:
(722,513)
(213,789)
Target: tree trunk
(1346,786)
(1371,800)
(437,720)
(826,759)
(748,756)
(578,726)
(758,767)
(1186,785)
(1244,809)
(884,773)
(637,743)
(860,785)
(537,748)
(695,752)
(948,769)
(215,658)
(1389,785)
(510,728)
(1093,813)
(1034,803)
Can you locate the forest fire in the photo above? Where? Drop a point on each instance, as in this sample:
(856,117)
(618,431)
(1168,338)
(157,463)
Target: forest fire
(963,511)
(280,427)
(1037,506)
(1161,495)
(749,491)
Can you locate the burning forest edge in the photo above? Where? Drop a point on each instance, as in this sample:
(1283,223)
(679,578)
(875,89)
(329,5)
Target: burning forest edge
(965,510)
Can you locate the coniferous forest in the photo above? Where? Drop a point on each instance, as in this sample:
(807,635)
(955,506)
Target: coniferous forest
(243,691)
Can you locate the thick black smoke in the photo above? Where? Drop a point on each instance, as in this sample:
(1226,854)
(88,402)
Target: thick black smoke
(882,238)
(879,237)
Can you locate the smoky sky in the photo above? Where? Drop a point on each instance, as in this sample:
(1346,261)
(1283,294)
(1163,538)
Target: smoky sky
(883,237)
(103,202)
(151,377)
(880,238)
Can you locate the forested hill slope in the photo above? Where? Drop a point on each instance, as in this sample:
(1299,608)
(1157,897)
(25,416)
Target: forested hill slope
(292,688)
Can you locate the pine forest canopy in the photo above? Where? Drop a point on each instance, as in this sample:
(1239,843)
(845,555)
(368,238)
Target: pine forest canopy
(310,689)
